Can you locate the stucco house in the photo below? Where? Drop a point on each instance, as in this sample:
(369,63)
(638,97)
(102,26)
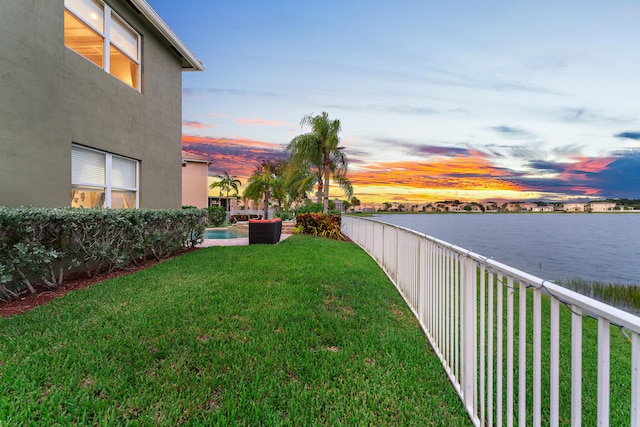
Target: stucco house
(490,207)
(195,186)
(90,104)
(574,207)
(602,206)
(512,207)
(528,207)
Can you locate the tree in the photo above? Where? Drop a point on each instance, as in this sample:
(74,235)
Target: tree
(297,182)
(289,184)
(227,183)
(319,151)
(260,183)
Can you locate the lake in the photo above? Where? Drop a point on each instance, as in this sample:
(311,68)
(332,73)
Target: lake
(594,247)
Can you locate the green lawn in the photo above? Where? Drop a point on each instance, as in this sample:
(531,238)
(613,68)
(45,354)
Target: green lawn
(307,332)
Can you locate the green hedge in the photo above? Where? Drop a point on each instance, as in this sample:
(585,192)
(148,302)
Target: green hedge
(217,216)
(319,224)
(39,245)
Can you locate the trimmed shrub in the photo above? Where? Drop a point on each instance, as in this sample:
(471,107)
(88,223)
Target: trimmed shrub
(38,245)
(309,208)
(284,214)
(319,224)
(217,215)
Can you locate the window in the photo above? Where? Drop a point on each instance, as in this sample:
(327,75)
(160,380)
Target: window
(96,32)
(102,180)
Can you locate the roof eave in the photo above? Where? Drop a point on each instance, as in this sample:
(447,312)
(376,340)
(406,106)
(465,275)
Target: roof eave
(186,159)
(189,61)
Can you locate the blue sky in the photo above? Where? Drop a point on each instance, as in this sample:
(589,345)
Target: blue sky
(437,100)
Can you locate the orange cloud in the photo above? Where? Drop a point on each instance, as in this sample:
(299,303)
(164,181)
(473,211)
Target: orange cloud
(453,174)
(464,173)
(238,156)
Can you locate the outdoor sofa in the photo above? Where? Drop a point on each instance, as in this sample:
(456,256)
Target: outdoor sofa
(235,218)
(265,230)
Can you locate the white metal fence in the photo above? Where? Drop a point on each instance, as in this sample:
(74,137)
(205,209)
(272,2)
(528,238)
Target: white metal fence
(519,350)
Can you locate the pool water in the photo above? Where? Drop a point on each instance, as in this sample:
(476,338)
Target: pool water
(225,234)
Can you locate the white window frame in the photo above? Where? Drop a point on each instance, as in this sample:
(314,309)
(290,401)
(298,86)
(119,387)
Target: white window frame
(108,16)
(108,185)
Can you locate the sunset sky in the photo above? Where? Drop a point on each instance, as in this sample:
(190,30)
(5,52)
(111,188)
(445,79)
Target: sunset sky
(438,100)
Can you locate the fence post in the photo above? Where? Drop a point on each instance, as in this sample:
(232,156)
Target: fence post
(469,335)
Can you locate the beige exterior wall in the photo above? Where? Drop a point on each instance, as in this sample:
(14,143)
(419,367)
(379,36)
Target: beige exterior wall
(543,209)
(194,184)
(603,207)
(574,207)
(51,97)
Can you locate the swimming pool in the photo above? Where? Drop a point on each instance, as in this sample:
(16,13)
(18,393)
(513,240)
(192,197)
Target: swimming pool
(226,233)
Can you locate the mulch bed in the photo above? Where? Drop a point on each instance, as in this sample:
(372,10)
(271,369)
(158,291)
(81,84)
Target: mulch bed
(71,283)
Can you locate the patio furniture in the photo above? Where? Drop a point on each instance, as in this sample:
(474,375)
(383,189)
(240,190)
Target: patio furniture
(265,230)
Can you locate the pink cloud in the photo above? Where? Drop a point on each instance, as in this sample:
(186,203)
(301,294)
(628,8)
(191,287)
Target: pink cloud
(195,125)
(262,122)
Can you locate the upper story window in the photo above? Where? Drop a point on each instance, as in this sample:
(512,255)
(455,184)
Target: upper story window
(103,180)
(93,30)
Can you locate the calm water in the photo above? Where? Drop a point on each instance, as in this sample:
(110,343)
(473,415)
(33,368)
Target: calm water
(599,247)
(225,234)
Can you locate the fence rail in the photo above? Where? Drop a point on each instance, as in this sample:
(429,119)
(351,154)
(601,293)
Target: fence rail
(502,334)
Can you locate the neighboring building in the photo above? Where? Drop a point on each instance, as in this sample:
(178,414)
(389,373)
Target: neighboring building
(195,188)
(454,207)
(574,207)
(528,207)
(490,207)
(546,208)
(472,207)
(90,104)
(368,207)
(512,207)
(603,207)
(232,202)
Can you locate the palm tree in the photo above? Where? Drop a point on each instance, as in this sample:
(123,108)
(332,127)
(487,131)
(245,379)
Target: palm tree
(319,150)
(227,183)
(259,185)
(296,183)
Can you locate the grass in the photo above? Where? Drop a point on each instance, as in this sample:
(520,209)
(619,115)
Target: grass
(620,365)
(626,297)
(307,332)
